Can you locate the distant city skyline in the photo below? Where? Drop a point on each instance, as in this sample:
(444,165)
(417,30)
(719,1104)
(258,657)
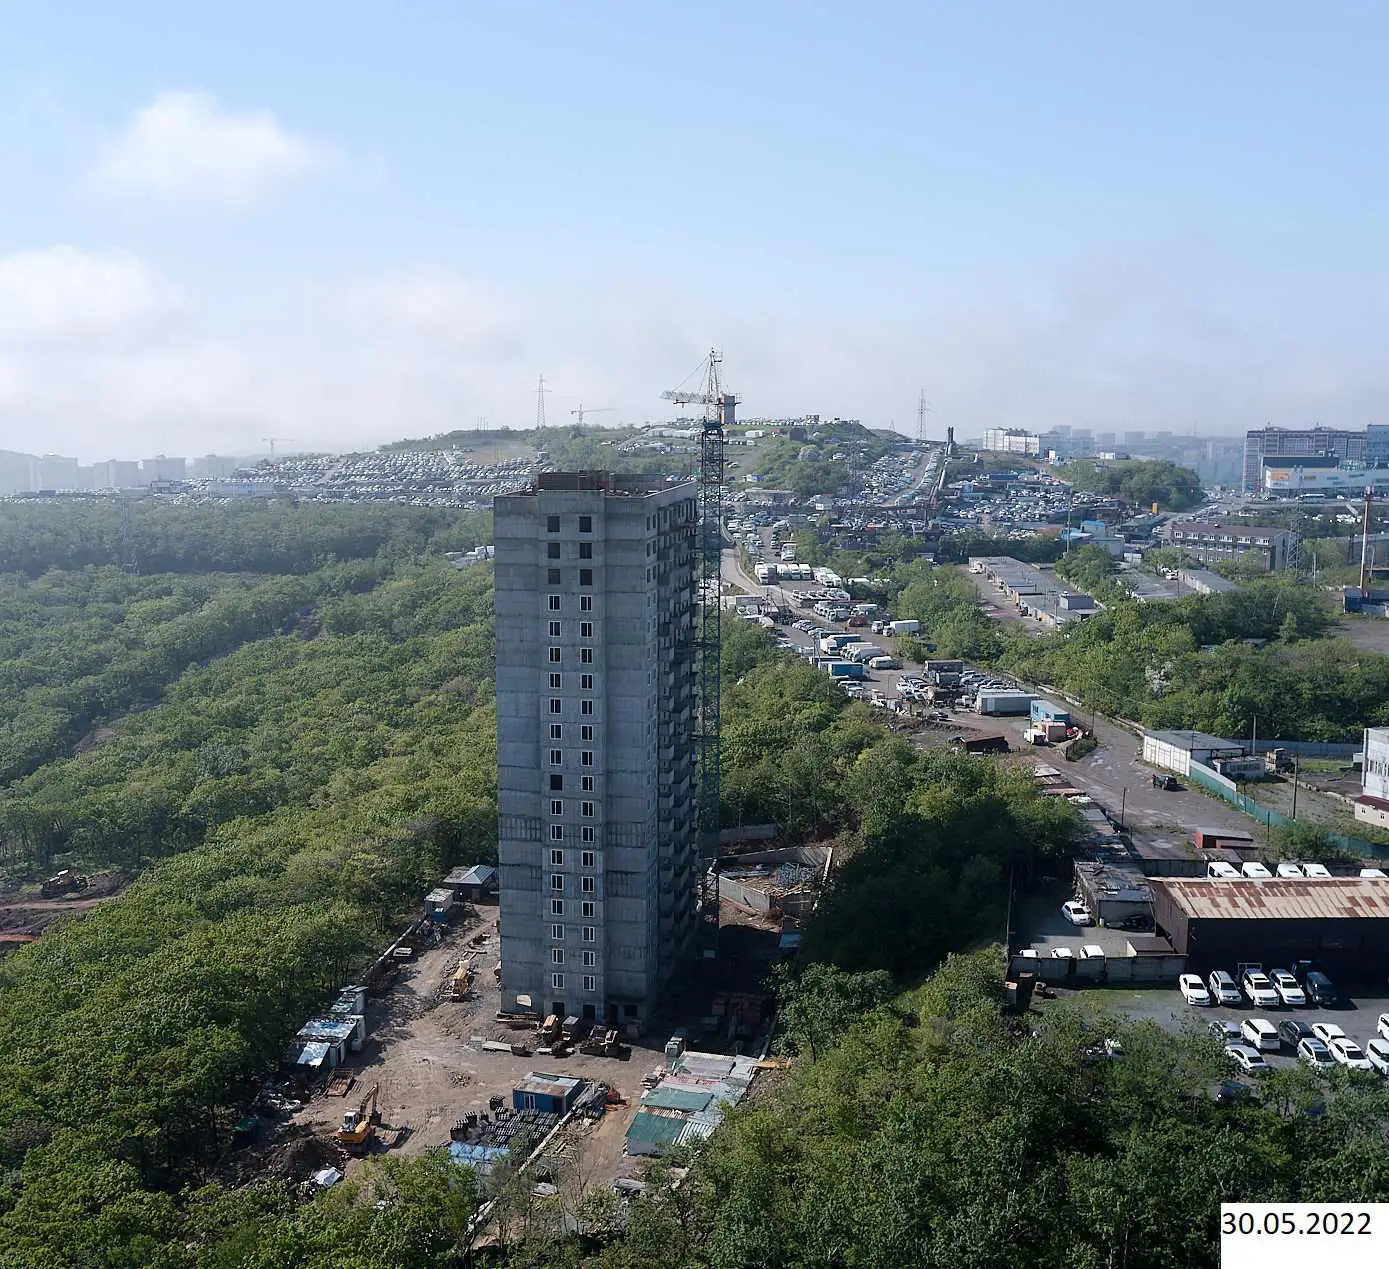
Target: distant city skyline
(1078,215)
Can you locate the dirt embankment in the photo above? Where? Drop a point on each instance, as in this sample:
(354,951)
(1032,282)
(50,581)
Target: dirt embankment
(24,910)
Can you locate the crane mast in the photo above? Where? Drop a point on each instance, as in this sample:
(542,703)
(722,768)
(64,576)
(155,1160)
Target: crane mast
(718,413)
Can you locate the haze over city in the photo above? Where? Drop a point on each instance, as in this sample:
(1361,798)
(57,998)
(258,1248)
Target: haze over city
(344,225)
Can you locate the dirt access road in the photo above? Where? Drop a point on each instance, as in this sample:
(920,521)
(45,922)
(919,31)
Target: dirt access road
(424,1051)
(29,913)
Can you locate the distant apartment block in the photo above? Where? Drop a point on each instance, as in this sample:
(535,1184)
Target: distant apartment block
(1274,548)
(1011,440)
(161,468)
(596,756)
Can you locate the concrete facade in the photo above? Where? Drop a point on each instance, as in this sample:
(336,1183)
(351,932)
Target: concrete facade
(1372,806)
(596,754)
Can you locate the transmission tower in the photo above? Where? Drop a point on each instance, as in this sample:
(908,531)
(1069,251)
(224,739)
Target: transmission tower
(540,392)
(718,414)
(922,410)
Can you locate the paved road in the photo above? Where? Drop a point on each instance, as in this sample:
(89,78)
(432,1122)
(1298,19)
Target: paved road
(1112,775)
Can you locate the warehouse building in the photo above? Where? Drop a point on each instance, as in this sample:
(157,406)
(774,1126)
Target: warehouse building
(1177,750)
(1340,924)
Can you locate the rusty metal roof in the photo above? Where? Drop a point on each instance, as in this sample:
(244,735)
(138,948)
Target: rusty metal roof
(1281,898)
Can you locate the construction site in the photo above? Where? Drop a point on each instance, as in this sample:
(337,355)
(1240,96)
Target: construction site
(440,1065)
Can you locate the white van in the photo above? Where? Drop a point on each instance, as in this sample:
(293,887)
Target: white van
(1373,872)
(1316,870)
(1253,868)
(884,663)
(1286,869)
(1219,868)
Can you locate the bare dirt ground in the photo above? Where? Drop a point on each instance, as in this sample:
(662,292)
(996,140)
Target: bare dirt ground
(424,1051)
(24,911)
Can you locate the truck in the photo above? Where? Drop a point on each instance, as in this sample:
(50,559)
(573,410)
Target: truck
(904,627)
(1045,711)
(846,670)
(884,663)
(981,744)
(1003,703)
(944,665)
(833,642)
(859,651)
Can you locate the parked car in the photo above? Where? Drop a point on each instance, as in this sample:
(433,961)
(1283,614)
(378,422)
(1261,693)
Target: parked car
(1377,1051)
(1223,988)
(1225,1030)
(1382,1026)
(1328,1031)
(1316,870)
(1289,869)
(1259,988)
(1287,988)
(1077,913)
(1261,1033)
(1312,1052)
(1063,953)
(1250,1061)
(1349,1054)
(1193,990)
(1319,988)
(1293,1032)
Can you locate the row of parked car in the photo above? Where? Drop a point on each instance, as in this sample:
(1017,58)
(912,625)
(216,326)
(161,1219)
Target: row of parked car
(1264,989)
(1321,1045)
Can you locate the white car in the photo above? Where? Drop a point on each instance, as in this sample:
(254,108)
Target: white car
(1377,873)
(1326,1032)
(1259,988)
(1287,988)
(1077,913)
(1063,953)
(1262,1034)
(1250,1061)
(1287,869)
(1223,988)
(1383,1025)
(1378,1053)
(1349,1054)
(1193,990)
(1312,1052)
(1316,870)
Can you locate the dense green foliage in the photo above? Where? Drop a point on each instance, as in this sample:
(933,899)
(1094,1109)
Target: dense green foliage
(933,835)
(957,546)
(940,1133)
(276,537)
(1090,569)
(1191,664)
(946,604)
(298,793)
(821,463)
(1138,481)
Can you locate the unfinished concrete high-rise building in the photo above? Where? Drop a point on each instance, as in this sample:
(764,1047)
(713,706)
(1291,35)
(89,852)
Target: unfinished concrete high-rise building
(596,752)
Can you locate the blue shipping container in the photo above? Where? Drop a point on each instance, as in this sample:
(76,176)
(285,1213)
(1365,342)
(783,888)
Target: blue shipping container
(1045,711)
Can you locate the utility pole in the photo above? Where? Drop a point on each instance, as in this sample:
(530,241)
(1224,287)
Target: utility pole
(1123,808)
(1296,765)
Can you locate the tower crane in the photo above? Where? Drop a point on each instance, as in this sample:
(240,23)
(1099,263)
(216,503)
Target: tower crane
(272,440)
(597,409)
(718,414)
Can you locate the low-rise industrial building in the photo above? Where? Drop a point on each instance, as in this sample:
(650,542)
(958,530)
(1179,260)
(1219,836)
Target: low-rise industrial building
(1177,750)
(1340,924)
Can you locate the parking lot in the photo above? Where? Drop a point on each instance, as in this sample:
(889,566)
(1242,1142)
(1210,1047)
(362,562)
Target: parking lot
(1357,1015)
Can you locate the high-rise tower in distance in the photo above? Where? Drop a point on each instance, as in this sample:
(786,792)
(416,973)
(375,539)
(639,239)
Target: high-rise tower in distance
(596,755)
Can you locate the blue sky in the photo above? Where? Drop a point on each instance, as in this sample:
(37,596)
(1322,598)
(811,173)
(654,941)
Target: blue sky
(346,223)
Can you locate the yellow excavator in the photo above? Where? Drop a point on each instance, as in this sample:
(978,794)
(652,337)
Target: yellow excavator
(359,1126)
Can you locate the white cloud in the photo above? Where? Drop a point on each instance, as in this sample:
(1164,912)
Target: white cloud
(185,149)
(99,357)
(63,295)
